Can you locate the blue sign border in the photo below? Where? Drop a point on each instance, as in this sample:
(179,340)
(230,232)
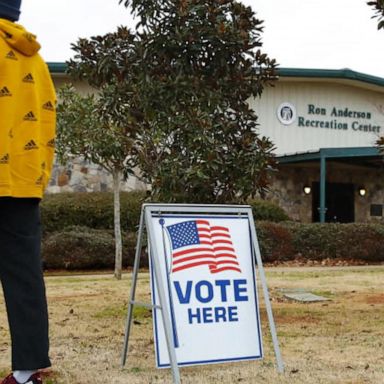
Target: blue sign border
(258,322)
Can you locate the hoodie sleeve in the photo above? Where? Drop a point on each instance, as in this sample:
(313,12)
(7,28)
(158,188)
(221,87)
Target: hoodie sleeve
(48,128)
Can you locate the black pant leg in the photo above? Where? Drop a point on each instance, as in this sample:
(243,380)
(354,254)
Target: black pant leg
(22,280)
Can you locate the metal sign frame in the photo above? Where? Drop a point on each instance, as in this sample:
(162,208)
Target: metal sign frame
(146,222)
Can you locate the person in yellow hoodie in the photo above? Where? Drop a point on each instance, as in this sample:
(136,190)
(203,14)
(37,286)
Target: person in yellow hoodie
(27,137)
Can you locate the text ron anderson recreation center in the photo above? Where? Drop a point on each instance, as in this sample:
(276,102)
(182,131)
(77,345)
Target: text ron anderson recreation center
(358,123)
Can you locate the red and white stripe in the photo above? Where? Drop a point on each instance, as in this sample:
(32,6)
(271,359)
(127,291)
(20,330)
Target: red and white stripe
(215,250)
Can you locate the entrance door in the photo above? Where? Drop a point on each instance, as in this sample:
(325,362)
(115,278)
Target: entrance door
(339,201)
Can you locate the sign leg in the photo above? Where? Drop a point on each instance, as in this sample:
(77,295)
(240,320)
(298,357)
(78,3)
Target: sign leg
(133,289)
(263,280)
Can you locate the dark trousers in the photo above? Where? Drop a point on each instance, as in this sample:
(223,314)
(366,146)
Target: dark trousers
(21,276)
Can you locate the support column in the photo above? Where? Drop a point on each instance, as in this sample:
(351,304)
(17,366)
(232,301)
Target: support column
(323,178)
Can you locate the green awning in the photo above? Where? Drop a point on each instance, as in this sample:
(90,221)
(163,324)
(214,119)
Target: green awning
(331,153)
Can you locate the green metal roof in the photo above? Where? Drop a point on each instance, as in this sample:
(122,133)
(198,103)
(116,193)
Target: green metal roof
(58,67)
(331,74)
(330,153)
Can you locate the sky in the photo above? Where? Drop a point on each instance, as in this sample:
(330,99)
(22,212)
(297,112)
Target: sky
(323,34)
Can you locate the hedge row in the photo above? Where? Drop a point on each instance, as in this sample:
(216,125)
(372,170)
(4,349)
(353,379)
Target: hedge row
(85,248)
(354,241)
(78,228)
(77,248)
(78,233)
(95,210)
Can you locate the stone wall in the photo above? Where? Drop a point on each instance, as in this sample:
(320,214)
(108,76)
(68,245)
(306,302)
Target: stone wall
(287,192)
(287,189)
(82,176)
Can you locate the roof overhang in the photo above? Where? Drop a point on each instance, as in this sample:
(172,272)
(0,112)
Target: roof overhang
(341,76)
(346,76)
(364,156)
(58,69)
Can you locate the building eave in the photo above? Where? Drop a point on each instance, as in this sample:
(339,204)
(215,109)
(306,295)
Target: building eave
(346,76)
(57,68)
(330,153)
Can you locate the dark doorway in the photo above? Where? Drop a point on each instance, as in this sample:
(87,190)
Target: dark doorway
(339,201)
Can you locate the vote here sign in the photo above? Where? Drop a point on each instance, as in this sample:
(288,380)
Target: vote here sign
(208,270)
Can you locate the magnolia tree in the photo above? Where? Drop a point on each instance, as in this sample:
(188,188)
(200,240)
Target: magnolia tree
(201,63)
(102,127)
(378,6)
(172,99)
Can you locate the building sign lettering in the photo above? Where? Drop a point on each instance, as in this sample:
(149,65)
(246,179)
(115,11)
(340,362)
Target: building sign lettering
(357,120)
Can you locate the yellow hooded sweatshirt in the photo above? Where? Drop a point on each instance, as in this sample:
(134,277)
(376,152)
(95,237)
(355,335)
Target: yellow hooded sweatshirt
(27,114)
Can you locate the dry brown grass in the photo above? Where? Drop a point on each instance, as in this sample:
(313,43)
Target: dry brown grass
(340,341)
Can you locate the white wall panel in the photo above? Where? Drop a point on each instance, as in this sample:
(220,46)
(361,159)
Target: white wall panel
(325,96)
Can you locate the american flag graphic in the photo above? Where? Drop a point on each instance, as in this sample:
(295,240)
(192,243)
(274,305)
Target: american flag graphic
(196,242)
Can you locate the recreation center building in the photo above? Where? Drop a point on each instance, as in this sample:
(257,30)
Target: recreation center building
(324,125)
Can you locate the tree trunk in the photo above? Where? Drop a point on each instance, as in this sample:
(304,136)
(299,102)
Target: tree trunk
(117,226)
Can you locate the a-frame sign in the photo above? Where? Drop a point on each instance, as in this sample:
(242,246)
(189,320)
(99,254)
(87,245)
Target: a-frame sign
(203,262)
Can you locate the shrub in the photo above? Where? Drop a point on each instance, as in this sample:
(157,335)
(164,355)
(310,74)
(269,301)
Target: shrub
(288,240)
(317,241)
(346,241)
(265,210)
(365,242)
(94,210)
(275,241)
(78,233)
(85,248)
(79,248)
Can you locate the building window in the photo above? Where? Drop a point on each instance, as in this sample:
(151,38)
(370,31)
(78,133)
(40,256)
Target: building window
(376,210)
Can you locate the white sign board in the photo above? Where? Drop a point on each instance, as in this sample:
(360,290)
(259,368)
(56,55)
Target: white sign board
(207,266)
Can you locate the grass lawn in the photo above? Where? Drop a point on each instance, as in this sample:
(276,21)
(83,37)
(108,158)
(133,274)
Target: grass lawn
(337,341)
